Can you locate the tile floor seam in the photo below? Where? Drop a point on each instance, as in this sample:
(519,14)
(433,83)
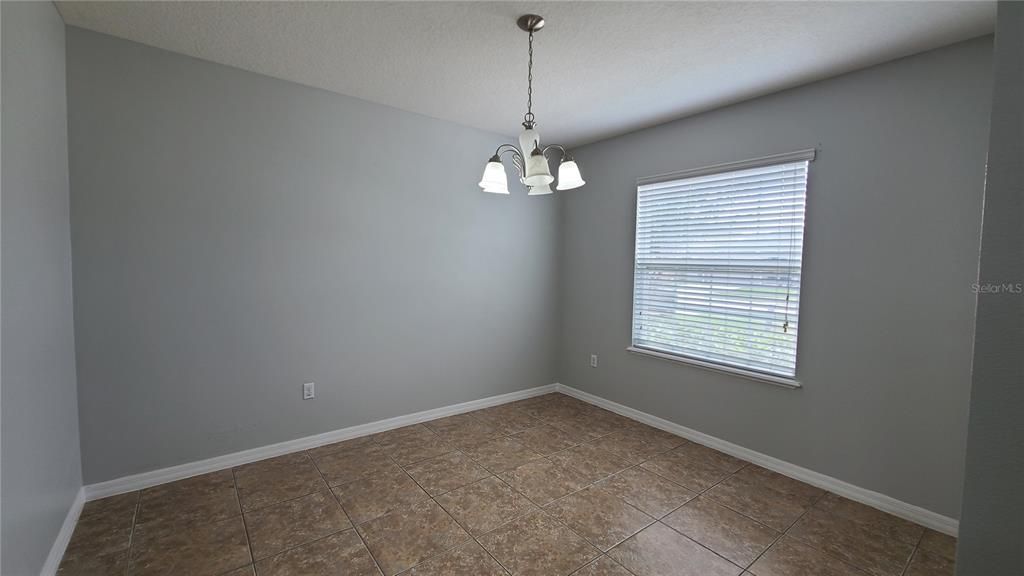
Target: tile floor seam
(393,461)
(700,544)
(864,571)
(696,494)
(330,489)
(459,524)
(558,521)
(368,520)
(528,499)
(477,539)
(539,509)
(605,555)
(542,509)
(594,485)
(781,535)
(300,545)
(744,569)
(351,523)
(825,552)
(702,493)
(131,534)
(278,502)
(441,456)
(562,497)
(135,523)
(659,520)
(253,566)
(699,494)
(723,504)
(596,482)
(317,539)
(245,526)
(913,554)
(472,537)
(813,547)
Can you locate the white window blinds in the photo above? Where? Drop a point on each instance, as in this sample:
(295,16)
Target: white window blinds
(717,269)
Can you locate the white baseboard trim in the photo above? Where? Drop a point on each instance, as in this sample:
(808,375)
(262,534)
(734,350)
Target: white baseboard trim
(163,475)
(60,544)
(882,502)
(924,517)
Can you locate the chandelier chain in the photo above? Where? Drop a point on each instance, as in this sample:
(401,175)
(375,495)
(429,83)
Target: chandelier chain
(528,117)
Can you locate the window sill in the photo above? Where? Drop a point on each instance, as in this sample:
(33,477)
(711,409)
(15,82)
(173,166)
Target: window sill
(749,375)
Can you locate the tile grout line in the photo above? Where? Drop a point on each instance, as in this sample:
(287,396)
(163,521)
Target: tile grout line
(285,501)
(698,495)
(345,512)
(785,532)
(469,532)
(657,520)
(443,509)
(438,504)
(245,525)
(131,535)
(863,571)
(465,528)
(541,508)
(290,548)
(913,554)
(703,493)
(502,480)
(782,534)
(317,539)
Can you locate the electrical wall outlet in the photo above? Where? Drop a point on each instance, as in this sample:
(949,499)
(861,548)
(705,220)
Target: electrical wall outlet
(593,360)
(308,390)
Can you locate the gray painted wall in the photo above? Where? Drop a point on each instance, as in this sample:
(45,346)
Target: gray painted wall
(41,465)
(992,528)
(891,249)
(235,236)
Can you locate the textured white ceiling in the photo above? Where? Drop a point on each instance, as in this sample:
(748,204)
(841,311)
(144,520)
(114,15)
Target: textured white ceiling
(601,68)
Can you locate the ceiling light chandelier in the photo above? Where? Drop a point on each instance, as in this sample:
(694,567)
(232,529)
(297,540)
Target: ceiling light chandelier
(530,160)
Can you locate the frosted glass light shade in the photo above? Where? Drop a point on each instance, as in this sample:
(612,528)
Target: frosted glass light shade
(528,140)
(538,173)
(494,179)
(540,190)
(569,176)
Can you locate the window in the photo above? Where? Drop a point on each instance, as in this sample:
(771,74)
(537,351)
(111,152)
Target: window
(717,269)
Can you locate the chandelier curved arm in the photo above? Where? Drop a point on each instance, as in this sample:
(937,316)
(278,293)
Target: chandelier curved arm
(564,155)
(517,158)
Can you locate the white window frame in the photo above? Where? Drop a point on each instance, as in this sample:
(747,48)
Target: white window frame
(787,382)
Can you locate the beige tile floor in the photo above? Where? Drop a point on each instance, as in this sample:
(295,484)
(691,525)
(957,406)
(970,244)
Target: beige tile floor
(544,486)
